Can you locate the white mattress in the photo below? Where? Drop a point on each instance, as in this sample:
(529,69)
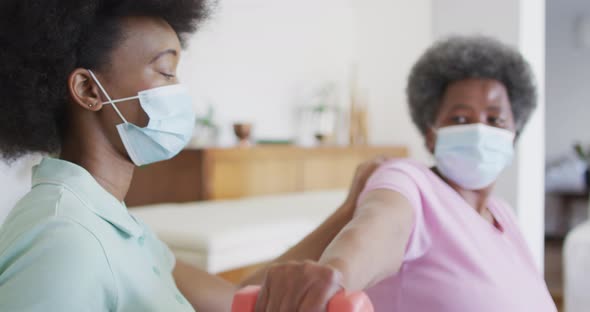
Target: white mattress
(224,235)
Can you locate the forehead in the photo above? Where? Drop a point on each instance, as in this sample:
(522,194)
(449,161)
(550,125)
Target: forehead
(142,39)
(476,93)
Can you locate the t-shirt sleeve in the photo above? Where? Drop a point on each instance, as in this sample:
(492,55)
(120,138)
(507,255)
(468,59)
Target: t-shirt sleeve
(56,266)
(400,177)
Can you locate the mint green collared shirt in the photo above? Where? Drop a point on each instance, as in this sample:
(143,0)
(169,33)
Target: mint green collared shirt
(69,245)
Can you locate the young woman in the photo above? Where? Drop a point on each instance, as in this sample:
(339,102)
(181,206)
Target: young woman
(94,82)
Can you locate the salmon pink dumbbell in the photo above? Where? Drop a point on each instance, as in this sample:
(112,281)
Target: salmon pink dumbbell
(245,301)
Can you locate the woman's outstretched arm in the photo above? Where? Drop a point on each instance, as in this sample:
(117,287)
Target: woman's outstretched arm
(368,249)
(207,292)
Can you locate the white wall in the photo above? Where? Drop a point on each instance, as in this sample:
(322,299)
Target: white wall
(15,181)
(531,159)
(255,58)
(520,24)
(498,18)
(568,78)
(392,35)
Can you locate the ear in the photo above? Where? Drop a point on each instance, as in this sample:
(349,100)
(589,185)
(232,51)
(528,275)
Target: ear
(430,139)
(84,91)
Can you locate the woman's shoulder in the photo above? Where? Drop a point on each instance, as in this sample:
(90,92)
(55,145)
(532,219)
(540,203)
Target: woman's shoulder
(53,236)
(49,219)
(415,170)
(41,205)
(406,164)
(405,176)
(56,261)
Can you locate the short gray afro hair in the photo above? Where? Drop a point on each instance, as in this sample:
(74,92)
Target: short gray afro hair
(459,58)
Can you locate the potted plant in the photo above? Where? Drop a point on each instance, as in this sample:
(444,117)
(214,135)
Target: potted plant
(325,114)
(206,130)
(584,154)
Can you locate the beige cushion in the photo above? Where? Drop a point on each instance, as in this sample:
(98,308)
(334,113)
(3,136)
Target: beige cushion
(577,270)
(224,235)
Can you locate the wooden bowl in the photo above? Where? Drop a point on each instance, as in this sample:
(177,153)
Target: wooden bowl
(243,132)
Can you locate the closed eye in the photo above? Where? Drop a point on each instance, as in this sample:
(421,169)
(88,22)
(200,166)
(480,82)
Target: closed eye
(168,76)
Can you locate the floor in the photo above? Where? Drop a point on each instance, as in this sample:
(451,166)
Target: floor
(553,269)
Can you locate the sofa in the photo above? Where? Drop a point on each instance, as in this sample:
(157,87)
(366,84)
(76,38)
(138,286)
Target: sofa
(576,265)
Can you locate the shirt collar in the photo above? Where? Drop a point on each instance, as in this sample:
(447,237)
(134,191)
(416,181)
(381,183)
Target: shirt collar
(86,188)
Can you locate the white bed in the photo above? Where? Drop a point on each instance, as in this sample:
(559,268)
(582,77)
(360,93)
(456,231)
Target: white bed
(220,236)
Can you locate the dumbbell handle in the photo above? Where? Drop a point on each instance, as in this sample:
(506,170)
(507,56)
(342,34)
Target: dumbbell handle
(245,301)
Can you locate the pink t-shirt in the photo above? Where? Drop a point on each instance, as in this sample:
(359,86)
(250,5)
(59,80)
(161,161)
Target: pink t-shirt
(455,260)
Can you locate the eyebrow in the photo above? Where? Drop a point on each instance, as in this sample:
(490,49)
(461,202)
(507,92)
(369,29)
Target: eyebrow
(494,108)
(169,51)
(461,106)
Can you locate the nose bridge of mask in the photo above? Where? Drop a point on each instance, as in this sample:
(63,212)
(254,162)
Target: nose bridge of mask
(173,94)
(474,134)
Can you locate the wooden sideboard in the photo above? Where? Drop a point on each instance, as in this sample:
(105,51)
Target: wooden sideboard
(210,174)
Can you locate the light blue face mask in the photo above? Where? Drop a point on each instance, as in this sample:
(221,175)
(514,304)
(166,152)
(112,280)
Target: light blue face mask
(473,156)
(171,125)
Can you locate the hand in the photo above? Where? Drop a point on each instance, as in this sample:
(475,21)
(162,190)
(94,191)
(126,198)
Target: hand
(298,287)
(363,173)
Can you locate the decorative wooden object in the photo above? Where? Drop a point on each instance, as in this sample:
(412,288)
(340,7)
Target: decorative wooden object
(210,174)
(243,132)
(358,127)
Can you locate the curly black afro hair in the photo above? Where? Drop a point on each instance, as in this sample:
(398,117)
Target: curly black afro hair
(43,41)
(463,57)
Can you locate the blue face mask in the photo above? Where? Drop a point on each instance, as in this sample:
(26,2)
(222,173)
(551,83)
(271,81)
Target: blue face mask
(171,125)
(473,156)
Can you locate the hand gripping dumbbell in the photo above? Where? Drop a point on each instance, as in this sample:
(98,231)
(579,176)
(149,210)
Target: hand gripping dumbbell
(245,301)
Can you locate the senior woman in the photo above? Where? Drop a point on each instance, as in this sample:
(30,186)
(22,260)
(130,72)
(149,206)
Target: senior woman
(436,239)
(94,82)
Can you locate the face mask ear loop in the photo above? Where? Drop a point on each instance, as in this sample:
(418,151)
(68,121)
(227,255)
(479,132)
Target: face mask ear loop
(107,95)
